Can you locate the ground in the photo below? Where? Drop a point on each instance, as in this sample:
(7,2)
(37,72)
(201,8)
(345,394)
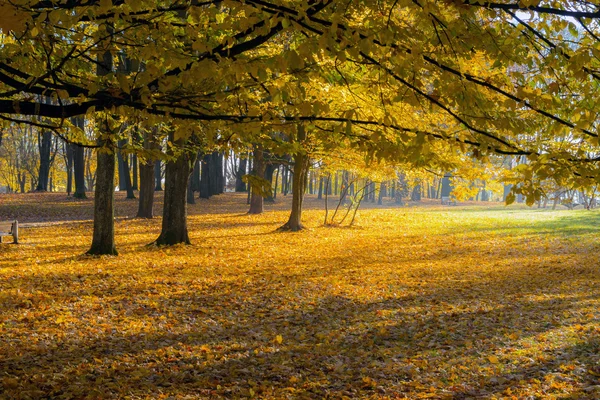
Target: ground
(412,302)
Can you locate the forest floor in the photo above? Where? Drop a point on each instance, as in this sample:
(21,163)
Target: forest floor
(461,302)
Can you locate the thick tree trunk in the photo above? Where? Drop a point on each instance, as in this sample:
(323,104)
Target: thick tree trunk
(146,204)
(45,145)
(174,222)
(259,166)
(103,241)
(205,177)
(240,185)
(147,180)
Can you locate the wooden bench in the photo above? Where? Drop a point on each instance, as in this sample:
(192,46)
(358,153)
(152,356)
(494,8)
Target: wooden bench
(448,201)
(9,229)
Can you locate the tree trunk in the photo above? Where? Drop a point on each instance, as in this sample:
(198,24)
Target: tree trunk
(174,222)
(301,164)
(240,185)
(134,165)
(382,190)
(78,153)
(256,199)
(147,181)
(320,193)
(45,145)
(158,176)
(124,173)
(190,190)
(103,241)
(69,162)
(205,178)
(269,171)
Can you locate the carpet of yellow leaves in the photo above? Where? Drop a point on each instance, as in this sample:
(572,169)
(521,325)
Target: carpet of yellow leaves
(442,303)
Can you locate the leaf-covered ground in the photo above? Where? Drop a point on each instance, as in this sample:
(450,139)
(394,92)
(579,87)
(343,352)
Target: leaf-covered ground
(437,302)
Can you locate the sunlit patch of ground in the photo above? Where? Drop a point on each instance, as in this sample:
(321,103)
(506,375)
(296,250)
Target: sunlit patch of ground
(413,302)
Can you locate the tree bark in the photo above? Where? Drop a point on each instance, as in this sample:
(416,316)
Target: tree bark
(147,181)
(174,222)
(124,173)
(158,176)
(205,177)
(45,145)
(240,185)
(79,172)
(69,164)
(103,241)
(301,164)
(259,166)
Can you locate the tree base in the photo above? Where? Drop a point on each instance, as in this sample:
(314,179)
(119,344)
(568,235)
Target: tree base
(170,240)
(79,196)
(98,251)
(287,227)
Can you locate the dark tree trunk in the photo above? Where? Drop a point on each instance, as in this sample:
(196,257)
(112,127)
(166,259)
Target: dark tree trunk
(103,241)
(124,173)
(196,174)
(381,193)
(158,176)
(285,180)
(205,177)
(259,166)
(174,222)
(320,193)
(79,172)
(79,163)
(147,180)
(221,173)
(215,174)
(269,171)
(190,191)
(240,185)
(134,165)
(45,146)
(416,194)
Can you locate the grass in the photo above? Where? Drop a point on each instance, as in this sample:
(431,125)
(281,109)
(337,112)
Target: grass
(414,302)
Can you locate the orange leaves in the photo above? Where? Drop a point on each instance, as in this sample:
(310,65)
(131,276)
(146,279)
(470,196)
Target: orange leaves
(415,303)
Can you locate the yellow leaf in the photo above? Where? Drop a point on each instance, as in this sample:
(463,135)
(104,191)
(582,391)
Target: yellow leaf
(493,359)
(279,339)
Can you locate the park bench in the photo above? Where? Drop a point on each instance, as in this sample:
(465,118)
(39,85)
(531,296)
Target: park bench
(9,228)
(448,201)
